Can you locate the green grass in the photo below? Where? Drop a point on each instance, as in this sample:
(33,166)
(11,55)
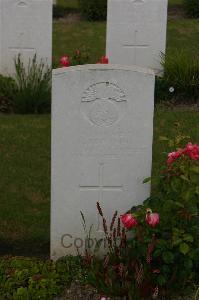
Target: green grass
(69,37)
(175,2)
(25,182)
(183,34)
(68,3)
(25,175)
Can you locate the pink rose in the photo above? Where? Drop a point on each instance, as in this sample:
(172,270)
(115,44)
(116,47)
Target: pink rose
(192,151)
(65,61)
(129,221)
(152,219)
(173,156)
(103,60)
(156,271)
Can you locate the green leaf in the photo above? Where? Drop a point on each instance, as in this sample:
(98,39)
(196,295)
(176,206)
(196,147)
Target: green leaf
(168,257)
(197,190)
(188,238)
(148,179)
(177,242)
(188,264)
(178,204)
(161,280)
(184,248)
(163,138)
(184,178)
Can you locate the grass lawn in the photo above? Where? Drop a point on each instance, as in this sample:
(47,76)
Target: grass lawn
(25,183)
(68,3)
(25,180)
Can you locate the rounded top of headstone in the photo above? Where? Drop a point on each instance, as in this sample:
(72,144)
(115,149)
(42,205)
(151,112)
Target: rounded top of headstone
(103,67)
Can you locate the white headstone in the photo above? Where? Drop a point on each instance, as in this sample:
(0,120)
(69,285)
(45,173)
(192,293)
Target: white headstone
(102,128)
(136,32)
(25,28)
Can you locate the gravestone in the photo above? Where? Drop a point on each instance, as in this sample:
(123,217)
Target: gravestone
(26,29)
(102,127)
(136,32)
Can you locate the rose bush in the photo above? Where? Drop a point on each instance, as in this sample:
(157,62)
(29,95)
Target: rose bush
(80,57)
(161,254)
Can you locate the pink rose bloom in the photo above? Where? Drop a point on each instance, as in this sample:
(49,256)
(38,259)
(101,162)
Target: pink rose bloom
(156,271)
(192,151)
(64,61)
(129,221)
(152,219)
(173,156)
(103,60)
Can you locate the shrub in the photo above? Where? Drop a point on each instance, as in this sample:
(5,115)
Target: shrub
(33,87)
(192,8)
(93,10)
(26,278)
(180,80)
(161,254)
(80,57)
(60,11)
(7,92)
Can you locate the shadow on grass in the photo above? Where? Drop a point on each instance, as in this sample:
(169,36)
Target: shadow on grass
(35,248)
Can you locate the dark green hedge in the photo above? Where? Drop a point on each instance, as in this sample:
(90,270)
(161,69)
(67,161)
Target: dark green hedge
(93,10)
(192,8)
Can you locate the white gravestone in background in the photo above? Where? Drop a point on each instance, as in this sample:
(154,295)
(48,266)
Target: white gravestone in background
(26,29)
(102,127)
(136,32)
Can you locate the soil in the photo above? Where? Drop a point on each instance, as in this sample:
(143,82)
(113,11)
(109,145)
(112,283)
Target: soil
(70,18)
(176,12)
(173,105)
(79,292)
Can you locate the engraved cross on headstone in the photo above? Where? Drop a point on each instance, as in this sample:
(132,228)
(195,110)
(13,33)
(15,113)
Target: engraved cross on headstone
(100,187)
(136,46)
(21,48)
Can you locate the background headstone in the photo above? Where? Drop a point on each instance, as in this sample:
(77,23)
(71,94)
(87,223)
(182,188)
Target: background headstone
(25,28)
(136,32)
(102,127)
